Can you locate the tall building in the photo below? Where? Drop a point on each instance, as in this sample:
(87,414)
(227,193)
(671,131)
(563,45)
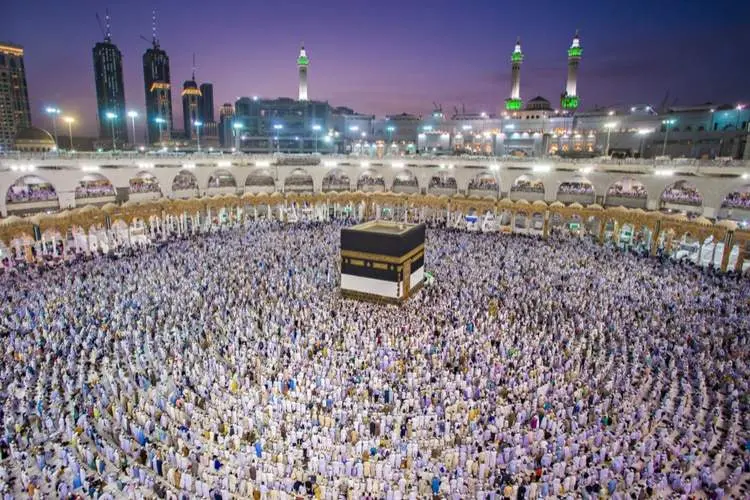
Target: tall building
(207,102)
(158,89)
(514,102)
(569,99)
(15,113)
(110,90)
(302,63)
(226,113)
(190,107)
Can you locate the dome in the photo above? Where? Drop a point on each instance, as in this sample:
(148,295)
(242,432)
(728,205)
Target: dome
(538,103)
(34,139)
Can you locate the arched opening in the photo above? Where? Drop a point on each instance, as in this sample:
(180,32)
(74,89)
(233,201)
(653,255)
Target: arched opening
(185,184)
(682,196)
(370,181)
(221,181)
(336,180)
(144,186)
(736,205)
(484,184)
(30,194)
(405,182)
(627,192)
(443,183)
(95,188)
(527,187)
(260,181)
(299,181)
(576,190)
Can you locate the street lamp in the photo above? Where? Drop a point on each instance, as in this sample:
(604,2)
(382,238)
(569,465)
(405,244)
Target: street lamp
(277,127)
(316,129)
(69,120)
(237,126)
(53,112)
(643,132)
(666,123)
(133,115)
(739,108)
(198,125)
(111,117)
(161,121)
(609,126)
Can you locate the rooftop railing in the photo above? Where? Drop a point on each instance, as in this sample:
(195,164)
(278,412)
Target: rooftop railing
(318,158)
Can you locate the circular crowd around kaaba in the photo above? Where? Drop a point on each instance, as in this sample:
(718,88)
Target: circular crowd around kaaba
(228,365)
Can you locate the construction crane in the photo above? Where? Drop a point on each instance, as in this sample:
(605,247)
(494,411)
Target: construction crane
(104,28)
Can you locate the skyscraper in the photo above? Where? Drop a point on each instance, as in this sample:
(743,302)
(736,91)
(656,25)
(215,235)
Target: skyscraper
(514,102)
(190,106)
(158,89)
(110,90)
(569,98)
(226,113)
(14,97)
(207,102)
(302,63)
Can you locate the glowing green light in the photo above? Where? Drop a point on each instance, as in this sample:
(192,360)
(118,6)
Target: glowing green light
(513,104)
(575,51)
(516,57)
(303,61)
(569,102)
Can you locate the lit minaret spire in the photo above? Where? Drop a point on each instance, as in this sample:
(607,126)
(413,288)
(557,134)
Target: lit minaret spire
(514,102)
(302,62)
(569,99)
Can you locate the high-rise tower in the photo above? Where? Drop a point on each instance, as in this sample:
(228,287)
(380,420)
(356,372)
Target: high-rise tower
(15,113)
(226,114)
(302,63)
(191,96)
(514,102)
(569,99)
(207,102)
(110,90)
(158,88)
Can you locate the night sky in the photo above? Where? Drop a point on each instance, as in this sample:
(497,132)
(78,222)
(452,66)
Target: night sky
(391,56)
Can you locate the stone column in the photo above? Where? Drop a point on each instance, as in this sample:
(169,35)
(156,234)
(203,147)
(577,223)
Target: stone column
(728,244)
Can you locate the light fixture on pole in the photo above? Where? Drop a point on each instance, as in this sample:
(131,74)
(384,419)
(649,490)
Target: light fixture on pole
(53,112)
(609,126)
(277,127)
(643,132)
(316,129)
(161,121)
(666,123)
(739,108)
(133,115)
(198,125)
(69,120)
(390,129)
(111,117)
(237,126)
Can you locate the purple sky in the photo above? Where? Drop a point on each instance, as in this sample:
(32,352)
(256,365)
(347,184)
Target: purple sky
(391,56)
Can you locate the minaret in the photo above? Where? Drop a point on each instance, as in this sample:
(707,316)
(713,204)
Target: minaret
(302,62)
(514,102)
(569,99)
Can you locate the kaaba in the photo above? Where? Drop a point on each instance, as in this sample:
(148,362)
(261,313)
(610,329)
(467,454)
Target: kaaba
(382,261)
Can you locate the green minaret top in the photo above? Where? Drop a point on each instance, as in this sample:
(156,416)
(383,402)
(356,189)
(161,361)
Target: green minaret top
(517,55)
(575,49)
(302,60)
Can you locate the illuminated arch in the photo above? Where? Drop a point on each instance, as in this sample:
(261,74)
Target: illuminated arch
(94,186)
